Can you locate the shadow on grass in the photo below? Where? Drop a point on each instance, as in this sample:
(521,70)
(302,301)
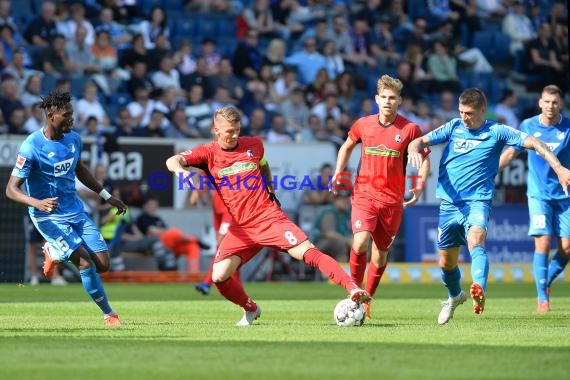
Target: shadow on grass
(128,358)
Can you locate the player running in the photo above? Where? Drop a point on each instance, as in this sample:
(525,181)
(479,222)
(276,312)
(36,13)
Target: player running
(242,177)
(378,196)
(466,185)
(48,162)
(548,203)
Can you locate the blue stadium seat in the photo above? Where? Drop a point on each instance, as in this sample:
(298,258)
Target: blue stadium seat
(77,85)
(207,27)
(417,8)
(173,5)
(484,41)
(501,51)
(120,99)
(227,28)
(185,27)
(48,83)
(147,5)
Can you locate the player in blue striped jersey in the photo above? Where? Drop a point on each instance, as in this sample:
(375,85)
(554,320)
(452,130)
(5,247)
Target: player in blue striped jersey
(548,202)
(466,186)
(48,162)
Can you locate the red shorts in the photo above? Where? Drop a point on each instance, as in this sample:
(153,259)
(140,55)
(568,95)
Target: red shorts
(380,220)
(245,241)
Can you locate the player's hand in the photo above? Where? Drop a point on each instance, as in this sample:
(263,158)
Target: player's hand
(564,179)
(121,207)
(48,205)
(273,198)
(416,194)
(415,159)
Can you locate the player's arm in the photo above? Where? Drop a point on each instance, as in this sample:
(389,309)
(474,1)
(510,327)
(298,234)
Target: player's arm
(507,156)
(266,173)
(14,192)
(342,158)
(84,175)
(419,182)
(543,151)
(177,164)
(415,148)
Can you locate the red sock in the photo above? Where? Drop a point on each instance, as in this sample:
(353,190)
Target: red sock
(357,266)
(374,277)
(329,267)
(233,291)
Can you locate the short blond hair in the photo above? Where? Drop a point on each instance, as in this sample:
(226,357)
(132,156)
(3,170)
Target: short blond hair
(229,113)
(386,81)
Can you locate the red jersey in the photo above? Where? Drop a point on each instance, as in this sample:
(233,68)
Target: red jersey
(237,177)
(383,160)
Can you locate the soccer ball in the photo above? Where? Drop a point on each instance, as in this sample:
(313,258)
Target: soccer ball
(348,313)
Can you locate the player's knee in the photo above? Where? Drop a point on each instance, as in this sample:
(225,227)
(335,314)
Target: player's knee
(219,277)
(565,251)
(103,267)
(360,245)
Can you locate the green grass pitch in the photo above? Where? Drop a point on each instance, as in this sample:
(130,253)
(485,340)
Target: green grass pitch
(172,332)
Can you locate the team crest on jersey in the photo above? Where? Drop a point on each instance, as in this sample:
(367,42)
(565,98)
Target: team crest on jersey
(249,153)
(62,168)
(398,138)
(561,135)
(20,162)
(381,150)
(236,168)
(464,145)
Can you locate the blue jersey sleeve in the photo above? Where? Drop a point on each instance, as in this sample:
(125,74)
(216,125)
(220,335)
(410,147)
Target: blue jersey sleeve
(524,129)
(443,133)
(510,136)
(24,160)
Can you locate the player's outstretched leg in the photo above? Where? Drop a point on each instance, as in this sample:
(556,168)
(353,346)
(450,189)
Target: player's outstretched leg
(557,265)
(451,279)
(232,289)
(372,282)
(479,275)
(93,285)
(357,266)
(540,273)
(330,268)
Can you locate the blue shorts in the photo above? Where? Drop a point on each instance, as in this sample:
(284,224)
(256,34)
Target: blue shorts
(67,234)
(549,218)
(455,219)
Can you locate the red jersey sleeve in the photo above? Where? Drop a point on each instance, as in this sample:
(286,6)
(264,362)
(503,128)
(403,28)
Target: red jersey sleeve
(415,133)
(355,132)
(197,157)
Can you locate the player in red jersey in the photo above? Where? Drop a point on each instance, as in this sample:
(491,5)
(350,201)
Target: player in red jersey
(222,221)
(379,187)
(242,176)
